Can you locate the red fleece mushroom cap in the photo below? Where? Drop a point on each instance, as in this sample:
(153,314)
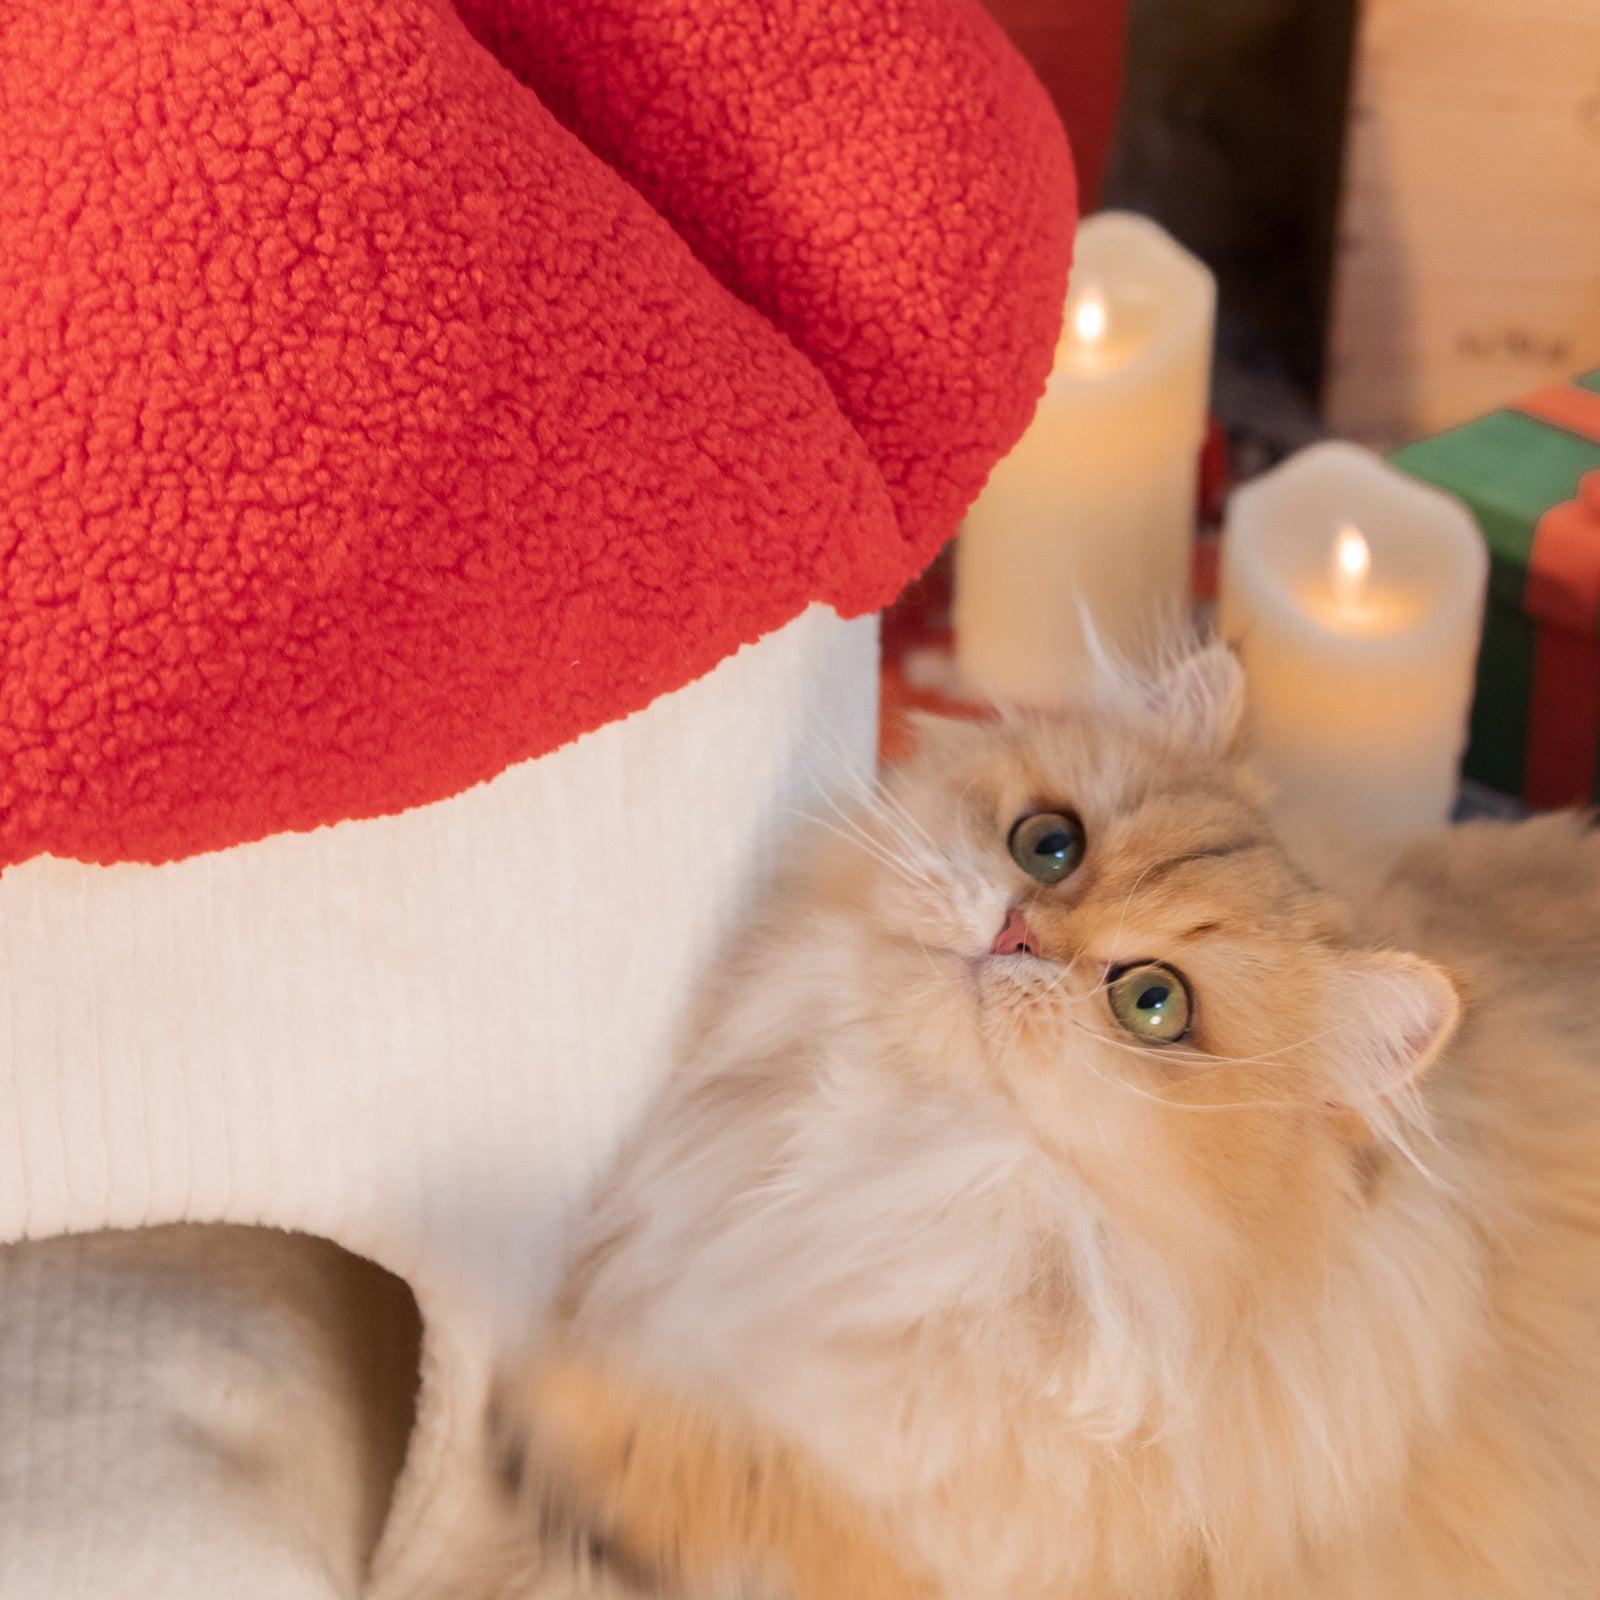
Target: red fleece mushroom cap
(366,430)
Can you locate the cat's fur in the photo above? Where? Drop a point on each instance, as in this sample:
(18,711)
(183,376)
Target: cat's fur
(927,1280)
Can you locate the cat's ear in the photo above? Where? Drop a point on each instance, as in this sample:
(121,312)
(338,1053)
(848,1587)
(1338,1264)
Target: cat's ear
(1200,700)
(1391,1015)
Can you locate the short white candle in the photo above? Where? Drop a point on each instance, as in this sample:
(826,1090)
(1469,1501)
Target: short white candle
(1094,510)
(1355,595)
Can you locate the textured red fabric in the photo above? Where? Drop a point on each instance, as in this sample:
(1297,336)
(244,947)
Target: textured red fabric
(364,432)
(874,175)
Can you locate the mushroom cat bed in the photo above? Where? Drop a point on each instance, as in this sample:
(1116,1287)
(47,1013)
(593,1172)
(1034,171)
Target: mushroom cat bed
(391,394)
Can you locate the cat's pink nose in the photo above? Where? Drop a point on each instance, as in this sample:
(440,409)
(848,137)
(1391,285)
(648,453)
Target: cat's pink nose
(1016,937)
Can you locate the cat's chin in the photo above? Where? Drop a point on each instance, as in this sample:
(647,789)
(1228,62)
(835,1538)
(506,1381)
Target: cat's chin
(1018,974)
(1009,992)
(1002,974)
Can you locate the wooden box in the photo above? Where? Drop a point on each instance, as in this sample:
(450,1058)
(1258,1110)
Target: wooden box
(1468,267)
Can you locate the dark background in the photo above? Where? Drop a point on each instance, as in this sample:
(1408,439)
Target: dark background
(1224,120)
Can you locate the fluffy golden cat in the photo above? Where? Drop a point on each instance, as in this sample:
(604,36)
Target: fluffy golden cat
(1065,1197)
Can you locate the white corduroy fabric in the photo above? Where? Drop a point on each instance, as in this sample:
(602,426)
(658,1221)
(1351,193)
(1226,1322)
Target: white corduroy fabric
(419,1036)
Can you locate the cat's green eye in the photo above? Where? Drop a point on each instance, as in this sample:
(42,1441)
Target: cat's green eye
(1152,1002)
(1047,845)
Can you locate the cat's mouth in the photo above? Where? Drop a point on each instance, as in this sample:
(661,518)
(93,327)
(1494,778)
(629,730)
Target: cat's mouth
(1015,956)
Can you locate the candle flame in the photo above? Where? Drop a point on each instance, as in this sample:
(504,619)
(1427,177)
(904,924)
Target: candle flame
(1352,562)
(1090,316)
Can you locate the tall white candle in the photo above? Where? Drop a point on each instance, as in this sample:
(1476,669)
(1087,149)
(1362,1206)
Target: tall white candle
(1355,595)
(1095,507)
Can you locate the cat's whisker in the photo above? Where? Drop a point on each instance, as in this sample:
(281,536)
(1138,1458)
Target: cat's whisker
(871,848)
(860,839)
(869,788)
(895,813)
(823,739)
(901,825)
(909,863)
(877,803)
(863,790)
(847,778)
(927,856)
(927,955)
(1205,1058)
(1054,987)
(1142,1093)
(894,804)
(1168,1055)
(1395,1132)
(1398,1139)
(1198,1058)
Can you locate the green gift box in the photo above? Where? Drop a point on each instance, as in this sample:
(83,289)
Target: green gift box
(1531,476)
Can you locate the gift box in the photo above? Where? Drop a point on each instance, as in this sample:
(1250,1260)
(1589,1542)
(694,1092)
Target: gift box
(1531,475)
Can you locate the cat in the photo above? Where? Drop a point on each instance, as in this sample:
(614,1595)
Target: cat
(1068,1194)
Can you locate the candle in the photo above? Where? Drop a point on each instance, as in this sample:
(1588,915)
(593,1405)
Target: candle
(1355,596)
(1093,512)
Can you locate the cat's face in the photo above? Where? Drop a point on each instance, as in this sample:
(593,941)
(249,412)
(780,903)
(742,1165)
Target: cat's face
(1089,919)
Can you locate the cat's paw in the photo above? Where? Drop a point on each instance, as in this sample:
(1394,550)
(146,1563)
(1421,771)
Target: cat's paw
(680,1497)
(562,1438)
